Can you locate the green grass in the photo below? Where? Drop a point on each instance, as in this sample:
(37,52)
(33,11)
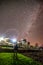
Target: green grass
(8,59)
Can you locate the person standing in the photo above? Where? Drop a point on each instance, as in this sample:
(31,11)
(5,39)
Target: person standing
(16,50)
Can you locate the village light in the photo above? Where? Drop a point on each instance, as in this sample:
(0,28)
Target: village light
(14,40)
(1,38)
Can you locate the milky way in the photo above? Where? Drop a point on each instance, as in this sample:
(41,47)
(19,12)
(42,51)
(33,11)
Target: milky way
(26,16)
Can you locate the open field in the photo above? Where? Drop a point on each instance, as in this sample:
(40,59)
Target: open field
(9,59)
(37,55)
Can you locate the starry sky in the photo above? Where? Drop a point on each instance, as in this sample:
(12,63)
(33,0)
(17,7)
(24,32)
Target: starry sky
(22,19)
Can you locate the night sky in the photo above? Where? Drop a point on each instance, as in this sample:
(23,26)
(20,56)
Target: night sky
(22,19)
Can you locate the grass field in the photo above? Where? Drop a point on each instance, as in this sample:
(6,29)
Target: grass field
(9,59)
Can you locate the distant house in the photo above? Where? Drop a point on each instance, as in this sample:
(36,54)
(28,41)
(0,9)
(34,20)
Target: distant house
(41,48)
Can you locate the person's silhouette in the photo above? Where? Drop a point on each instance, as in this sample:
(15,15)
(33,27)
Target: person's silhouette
(15,51)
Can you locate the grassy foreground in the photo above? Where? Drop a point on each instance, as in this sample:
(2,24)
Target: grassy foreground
(8,59)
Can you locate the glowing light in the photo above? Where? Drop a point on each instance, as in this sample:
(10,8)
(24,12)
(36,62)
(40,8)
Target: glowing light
(14,40)
(1,38)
